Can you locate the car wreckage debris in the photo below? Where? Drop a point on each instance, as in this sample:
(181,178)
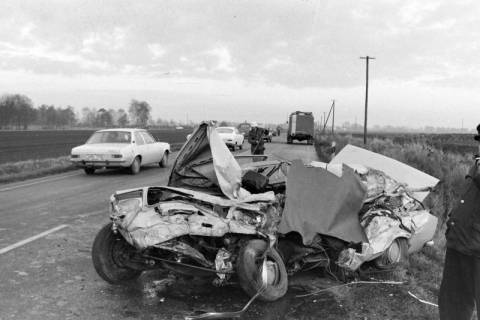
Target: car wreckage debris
(206,224)
(236,314)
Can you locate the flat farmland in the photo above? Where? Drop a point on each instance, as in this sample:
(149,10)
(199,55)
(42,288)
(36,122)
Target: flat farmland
(40,144)
(462,143)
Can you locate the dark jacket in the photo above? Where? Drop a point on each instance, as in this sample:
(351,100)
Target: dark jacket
(255,138)
(463,226)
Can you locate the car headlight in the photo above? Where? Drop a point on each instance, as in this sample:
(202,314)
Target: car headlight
(126,206)
(124,212)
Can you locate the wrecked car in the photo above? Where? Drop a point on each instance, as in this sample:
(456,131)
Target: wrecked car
(229,217)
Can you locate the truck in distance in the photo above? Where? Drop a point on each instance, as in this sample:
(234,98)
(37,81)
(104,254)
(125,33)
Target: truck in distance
(300,127)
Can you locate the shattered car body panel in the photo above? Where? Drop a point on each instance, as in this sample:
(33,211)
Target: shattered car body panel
(390,211)
(186,212)
(356,157)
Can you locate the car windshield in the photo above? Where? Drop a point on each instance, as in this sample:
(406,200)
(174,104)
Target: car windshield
(109,137)
(224,130)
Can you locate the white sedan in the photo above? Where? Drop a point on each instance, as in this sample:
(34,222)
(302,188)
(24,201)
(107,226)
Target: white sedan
(120,148)
(231,136)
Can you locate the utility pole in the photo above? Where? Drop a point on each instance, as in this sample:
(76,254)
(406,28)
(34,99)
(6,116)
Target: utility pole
(333,117)
(367,58)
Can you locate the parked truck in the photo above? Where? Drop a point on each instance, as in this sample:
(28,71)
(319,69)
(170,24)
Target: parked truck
(300,127)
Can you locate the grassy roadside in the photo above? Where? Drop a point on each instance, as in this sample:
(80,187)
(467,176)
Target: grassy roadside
(29,169)
(424,273)
(23,170)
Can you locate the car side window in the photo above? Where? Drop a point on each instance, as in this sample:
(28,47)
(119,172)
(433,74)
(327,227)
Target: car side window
(139,139)
(151,136)
(147,137)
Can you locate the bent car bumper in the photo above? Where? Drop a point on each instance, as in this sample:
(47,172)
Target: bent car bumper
(100,163)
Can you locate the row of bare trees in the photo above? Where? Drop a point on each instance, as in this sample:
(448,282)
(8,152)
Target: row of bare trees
(138,115)
(17,112)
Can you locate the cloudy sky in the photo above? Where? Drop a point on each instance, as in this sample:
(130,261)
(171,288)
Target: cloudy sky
(249,60)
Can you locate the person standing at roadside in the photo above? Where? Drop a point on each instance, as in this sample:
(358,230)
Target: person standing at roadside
(255,138)
(460,288)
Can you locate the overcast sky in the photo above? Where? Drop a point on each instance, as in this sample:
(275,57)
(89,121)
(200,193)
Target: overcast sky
(249,60)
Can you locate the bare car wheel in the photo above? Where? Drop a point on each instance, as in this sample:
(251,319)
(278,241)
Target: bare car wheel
(89,170)
(164,162)
(108,251)
(396,254)
(135,167)
(249,264)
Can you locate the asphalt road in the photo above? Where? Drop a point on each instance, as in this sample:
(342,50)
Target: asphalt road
(52,277)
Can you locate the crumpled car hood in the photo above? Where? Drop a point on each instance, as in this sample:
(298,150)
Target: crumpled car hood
(205,163)
(357,158)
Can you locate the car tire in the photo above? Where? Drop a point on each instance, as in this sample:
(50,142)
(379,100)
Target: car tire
(164,162)
(89,171)
(105,252)
(135,166)
(249,264)
(396,254)
(240,147)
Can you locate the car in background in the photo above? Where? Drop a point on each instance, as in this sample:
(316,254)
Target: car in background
(231,136)
(120,148)
(267,137)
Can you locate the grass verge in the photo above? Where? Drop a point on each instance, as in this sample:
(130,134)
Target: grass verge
(23,170)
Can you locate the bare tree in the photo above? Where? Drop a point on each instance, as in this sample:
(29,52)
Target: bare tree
(122,120)
(104,118)
(139,112)
(16,110)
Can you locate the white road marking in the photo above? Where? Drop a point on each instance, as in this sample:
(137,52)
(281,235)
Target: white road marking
(38,182)
(28,240)
(89,214)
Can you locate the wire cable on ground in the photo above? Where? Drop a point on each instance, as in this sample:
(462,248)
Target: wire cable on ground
(348,284)
(422,301)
